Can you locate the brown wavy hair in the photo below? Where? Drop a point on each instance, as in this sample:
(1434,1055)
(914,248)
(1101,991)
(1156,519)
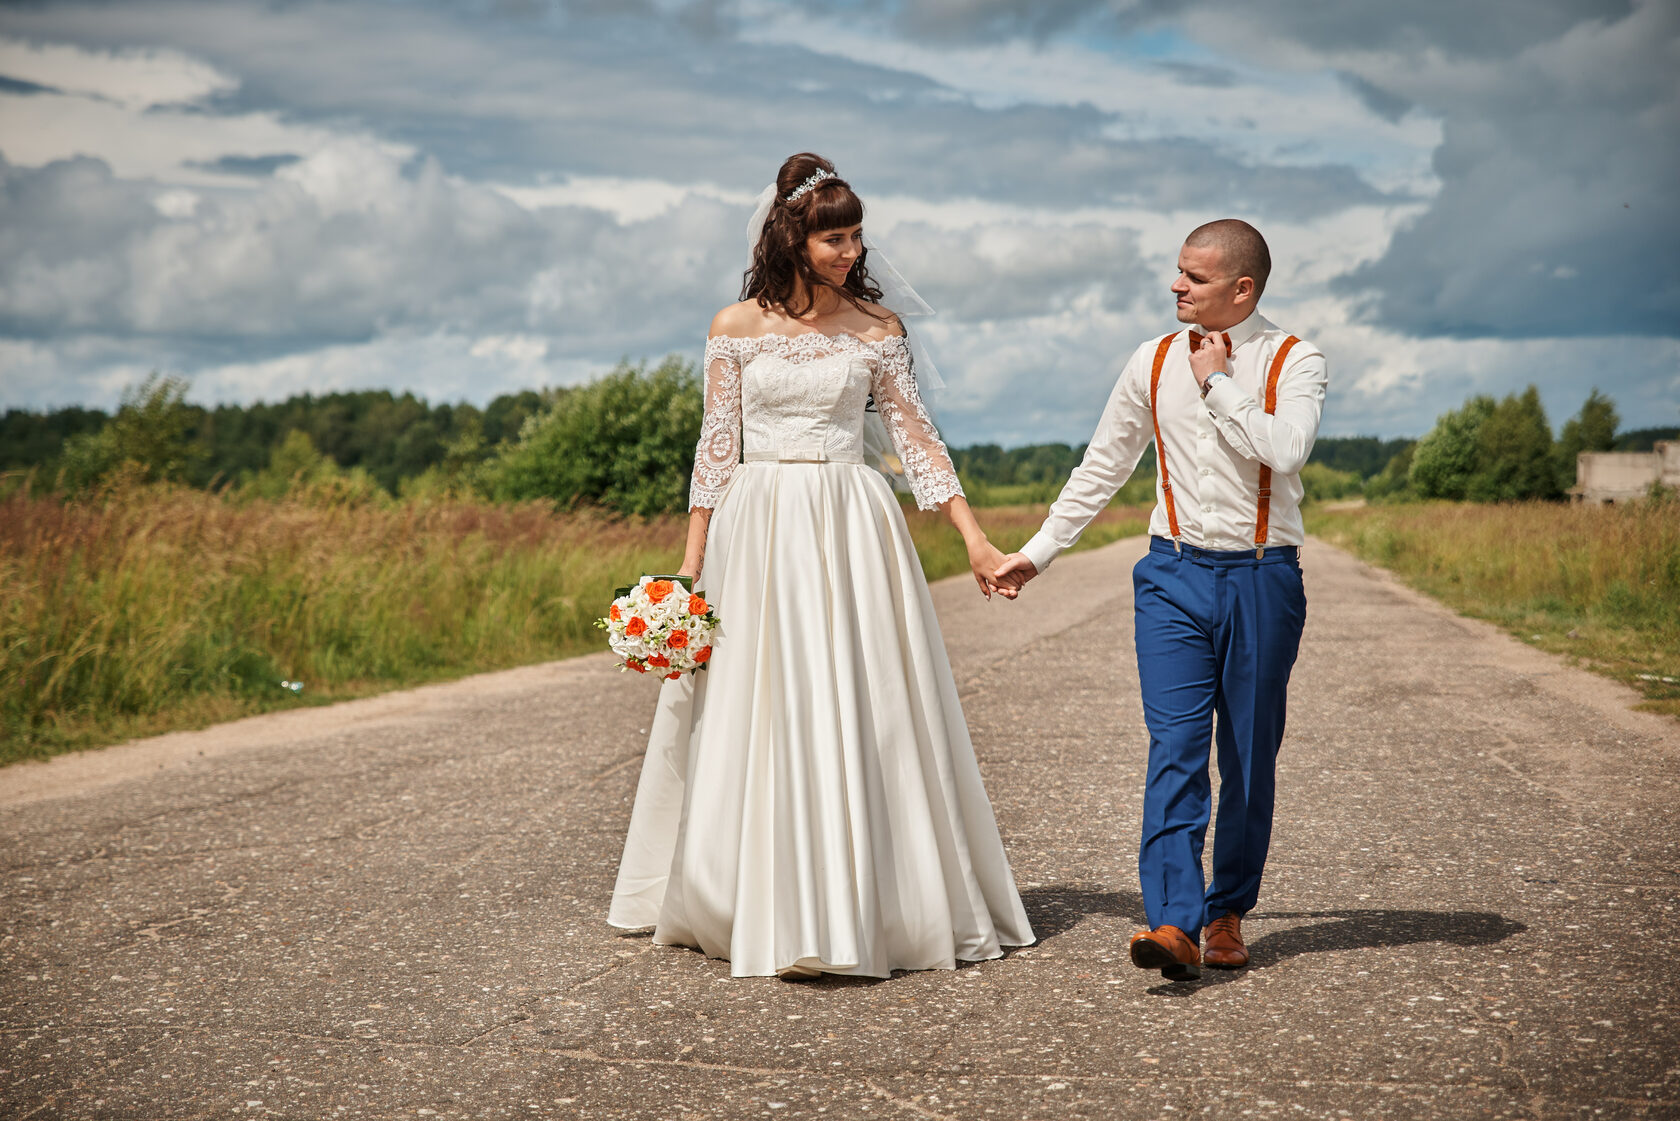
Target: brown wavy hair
(779,262)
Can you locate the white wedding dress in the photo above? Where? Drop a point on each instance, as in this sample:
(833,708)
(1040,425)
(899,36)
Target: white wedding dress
(812,799)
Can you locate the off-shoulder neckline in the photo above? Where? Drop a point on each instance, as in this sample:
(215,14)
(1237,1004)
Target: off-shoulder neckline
(835,337)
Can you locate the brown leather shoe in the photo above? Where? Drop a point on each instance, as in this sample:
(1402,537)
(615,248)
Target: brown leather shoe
(1168,949)
(1225,949)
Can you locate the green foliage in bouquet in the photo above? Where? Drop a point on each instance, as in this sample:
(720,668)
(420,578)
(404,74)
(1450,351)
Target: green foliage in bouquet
(625,442)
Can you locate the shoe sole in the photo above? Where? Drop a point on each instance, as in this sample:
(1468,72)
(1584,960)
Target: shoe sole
(1152,955)
(1243,964)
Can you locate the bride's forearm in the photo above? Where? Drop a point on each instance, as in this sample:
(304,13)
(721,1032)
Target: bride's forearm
(962,517)
(694,551)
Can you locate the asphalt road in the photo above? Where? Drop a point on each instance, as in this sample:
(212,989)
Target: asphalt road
(395,907)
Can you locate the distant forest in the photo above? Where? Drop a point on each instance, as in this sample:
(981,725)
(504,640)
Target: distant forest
(391,437)
(395,437)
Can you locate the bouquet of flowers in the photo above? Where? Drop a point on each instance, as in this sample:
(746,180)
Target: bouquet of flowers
(659,624)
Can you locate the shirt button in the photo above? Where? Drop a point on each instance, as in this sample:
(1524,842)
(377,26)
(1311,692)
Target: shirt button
(1207,509)
(1201,435)
(1207,470)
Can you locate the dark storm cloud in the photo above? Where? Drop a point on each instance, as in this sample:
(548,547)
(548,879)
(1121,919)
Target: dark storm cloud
(521,100)
(15,85)
(1491,29)
(1558,173)
(1387,105)
(1557,163)
(1558,160)
(259,167)
(1199,74)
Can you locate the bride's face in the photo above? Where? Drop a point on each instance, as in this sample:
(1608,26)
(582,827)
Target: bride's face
(832,253)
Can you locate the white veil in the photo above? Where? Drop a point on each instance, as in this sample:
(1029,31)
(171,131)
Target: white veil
(896,294)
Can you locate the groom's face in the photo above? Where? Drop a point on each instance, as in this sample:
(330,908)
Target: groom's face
(1206,290)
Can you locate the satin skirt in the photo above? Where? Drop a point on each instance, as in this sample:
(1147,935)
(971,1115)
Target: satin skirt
(812,798)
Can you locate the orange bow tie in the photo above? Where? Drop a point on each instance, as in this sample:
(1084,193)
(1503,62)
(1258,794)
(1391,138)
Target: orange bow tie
(1196,341)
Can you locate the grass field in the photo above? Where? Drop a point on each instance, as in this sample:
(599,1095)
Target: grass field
(163,608)
(1600,584)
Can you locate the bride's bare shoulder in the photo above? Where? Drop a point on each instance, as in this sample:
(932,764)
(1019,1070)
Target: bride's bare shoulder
(742,320)
(874,322)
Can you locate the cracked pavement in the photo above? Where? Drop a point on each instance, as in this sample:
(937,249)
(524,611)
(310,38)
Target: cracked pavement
(396,907)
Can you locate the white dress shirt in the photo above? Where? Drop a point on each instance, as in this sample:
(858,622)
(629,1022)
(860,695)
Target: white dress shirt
(1214,446)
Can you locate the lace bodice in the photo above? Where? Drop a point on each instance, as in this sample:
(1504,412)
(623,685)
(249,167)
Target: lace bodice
(803,397)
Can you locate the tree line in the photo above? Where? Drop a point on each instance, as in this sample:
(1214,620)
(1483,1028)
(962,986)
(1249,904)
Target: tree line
(1502,450)
(625,442)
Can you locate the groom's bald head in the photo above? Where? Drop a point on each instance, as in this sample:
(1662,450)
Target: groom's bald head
(1240,247)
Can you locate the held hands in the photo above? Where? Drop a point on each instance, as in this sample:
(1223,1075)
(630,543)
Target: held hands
(1209,359)
(1014,573)
(983,560)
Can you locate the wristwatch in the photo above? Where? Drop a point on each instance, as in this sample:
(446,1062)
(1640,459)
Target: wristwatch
(1207,385)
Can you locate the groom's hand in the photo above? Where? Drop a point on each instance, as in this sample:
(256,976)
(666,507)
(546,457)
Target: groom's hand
(1208,359)
(983,558)
(1014,573)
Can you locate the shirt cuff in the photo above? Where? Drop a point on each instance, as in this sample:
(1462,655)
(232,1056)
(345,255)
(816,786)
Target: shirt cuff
(1218,399)
(1041,550)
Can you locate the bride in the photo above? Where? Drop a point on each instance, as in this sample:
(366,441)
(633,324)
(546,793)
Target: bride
(811,804)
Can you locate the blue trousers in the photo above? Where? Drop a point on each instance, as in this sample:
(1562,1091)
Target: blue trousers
(1217,633)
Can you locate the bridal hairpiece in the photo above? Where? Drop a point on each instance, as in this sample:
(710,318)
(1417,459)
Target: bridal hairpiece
(896,294)
(817,176)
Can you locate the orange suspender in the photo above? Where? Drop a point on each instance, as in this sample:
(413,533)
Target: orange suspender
(1262,519)
(1160,449)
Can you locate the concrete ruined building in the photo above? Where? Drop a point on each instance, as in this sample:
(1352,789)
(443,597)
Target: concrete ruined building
(1621,476)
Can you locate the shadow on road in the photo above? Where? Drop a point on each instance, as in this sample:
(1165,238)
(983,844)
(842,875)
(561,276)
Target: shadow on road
(1058,908)
(1354,930)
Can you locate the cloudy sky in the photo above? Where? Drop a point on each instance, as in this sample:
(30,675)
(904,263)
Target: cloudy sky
(464,199)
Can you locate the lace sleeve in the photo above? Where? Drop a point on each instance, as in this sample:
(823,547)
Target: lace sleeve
(719,450)
(933,479)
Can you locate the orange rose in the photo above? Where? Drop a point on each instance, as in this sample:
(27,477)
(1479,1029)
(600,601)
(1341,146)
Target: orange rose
(637,625)
(678,640)
(702,655)
(659,589)
(637,666)
(697,606)
(659,660)
(613,614)
(672,676)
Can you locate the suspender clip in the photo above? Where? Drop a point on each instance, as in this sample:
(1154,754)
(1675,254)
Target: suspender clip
(1178,547)
(1260,553)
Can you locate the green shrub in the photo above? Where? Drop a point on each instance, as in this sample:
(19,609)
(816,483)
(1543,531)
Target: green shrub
(625,442)
(150,438)
(1323,484)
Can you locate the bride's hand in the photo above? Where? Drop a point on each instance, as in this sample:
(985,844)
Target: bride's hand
(983,560)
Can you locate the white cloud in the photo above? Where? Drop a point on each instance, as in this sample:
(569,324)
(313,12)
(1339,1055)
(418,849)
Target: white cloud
(137,78)
(1287,118)
(627,200)
(340,195)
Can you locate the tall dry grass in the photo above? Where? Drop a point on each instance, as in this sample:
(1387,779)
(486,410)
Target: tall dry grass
(1598,583)
(157,608)
(161,608)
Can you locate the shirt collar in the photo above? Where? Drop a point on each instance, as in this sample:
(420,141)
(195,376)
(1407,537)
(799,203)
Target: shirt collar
(1242,332)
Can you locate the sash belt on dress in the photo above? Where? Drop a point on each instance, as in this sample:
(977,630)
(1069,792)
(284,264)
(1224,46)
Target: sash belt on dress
(801,453)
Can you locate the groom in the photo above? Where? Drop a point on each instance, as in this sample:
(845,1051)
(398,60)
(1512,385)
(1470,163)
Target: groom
(1232,405)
